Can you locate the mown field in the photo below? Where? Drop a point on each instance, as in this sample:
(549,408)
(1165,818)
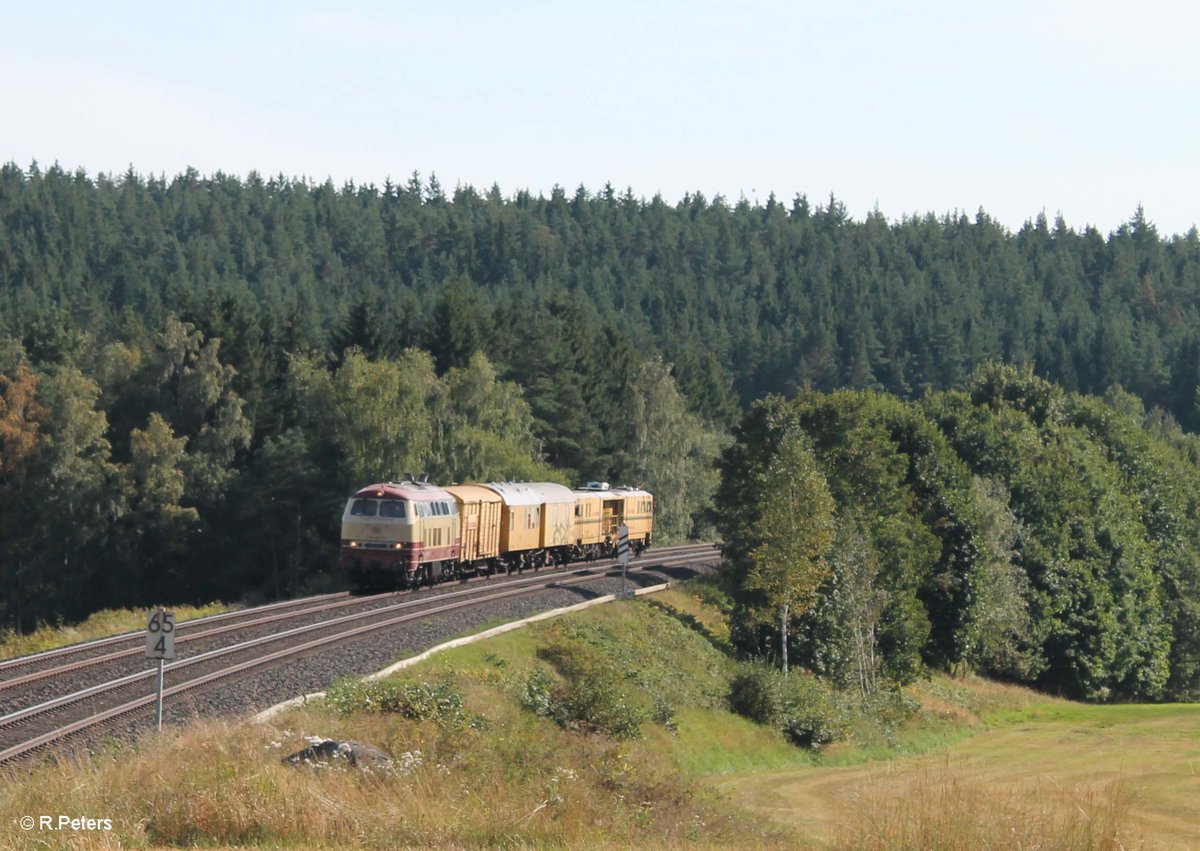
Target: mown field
(525,740)
(1050,775)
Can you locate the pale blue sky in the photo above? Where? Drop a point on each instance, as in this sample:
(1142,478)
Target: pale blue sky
(1083,108)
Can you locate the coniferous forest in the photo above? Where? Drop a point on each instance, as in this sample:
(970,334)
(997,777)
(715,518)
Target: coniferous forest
(195,371)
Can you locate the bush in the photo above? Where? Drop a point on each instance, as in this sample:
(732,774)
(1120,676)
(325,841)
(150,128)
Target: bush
(535,693)
(711,592)
(806,710)
(591,696)
(813,715)
(755,693)
(420,701)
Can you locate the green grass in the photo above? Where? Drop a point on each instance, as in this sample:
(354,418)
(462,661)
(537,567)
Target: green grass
(1087,776)
(979,765)
(496,775)
(711,742)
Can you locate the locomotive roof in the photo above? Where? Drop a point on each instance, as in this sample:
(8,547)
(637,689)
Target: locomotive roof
(415,491)
(532,493)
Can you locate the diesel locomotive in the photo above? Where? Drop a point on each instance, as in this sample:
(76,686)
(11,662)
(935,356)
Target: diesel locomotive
(404,534)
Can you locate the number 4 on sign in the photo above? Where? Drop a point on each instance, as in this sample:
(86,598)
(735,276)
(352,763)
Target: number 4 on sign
(160,635)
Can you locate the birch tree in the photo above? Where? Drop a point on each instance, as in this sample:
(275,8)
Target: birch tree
(792,534)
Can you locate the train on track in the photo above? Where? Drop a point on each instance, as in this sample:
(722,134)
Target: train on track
(409,533)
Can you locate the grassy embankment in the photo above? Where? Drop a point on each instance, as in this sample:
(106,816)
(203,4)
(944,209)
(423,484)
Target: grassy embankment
(99,625)
(499,743)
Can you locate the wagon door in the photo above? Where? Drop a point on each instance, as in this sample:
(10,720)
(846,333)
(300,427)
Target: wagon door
(470,530)
(614,514)
(489,528)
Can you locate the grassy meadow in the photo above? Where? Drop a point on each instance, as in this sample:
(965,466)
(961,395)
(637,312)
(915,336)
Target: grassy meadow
(1048,774)
(522,741)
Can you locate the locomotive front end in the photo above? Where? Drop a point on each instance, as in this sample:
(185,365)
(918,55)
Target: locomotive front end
(377,537)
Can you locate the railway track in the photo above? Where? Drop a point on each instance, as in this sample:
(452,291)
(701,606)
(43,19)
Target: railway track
(26,669)
(91,710)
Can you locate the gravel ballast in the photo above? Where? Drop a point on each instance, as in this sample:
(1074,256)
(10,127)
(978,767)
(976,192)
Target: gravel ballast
(316,671)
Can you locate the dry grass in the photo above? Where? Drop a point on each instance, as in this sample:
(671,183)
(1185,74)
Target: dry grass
(99,625)
(520,783)
(1037,773)
(946,809)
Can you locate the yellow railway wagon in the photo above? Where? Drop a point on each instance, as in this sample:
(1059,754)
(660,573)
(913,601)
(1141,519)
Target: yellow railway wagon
(601,510)
(589,530)
(638,516)
(521,518)
(558,514)
(480,510)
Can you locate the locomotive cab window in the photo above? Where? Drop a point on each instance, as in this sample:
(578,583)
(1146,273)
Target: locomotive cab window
(363,508)
(391,508)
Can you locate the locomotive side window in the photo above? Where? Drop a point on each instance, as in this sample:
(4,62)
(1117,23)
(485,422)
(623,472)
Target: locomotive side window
(363,508)
(391,508)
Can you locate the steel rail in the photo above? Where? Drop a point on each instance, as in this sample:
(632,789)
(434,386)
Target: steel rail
(322,605)
(96,661)
(33,658)
(546,582)
(580,576)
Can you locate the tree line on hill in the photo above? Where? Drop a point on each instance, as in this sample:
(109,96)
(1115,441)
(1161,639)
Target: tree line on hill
(195,371)
(742,299)
(135,471)
(1010,528)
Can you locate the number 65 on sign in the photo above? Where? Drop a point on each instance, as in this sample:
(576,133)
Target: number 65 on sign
(160,635)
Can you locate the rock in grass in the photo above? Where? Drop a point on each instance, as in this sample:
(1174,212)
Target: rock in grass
(357,754)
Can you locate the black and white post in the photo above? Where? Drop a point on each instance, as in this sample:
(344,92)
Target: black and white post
(160,645)
(623,553)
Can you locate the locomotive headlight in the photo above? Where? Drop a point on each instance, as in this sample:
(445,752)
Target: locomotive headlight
(397,546)
(354,544)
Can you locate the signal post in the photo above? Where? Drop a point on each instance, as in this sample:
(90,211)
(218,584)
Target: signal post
(160,645)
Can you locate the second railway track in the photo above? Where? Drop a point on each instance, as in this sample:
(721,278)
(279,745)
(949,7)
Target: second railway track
(87,712)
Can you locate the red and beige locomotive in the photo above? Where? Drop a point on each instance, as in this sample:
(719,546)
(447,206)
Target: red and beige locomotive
(402,534)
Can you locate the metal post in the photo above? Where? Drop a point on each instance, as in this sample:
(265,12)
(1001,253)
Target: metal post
(623,554)
(160,689)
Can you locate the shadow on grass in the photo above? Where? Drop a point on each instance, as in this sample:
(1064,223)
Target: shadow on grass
(695,625)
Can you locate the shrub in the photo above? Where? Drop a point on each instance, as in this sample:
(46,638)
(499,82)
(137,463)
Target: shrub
(755,693)
(812,712)
(420,701)
(802,707)
(535,693)
(591,695)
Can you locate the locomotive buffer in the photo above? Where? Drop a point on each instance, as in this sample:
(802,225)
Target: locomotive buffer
(623,554)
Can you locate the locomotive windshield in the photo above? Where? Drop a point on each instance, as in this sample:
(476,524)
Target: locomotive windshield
(372,507)
(391,508)
(363,508)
